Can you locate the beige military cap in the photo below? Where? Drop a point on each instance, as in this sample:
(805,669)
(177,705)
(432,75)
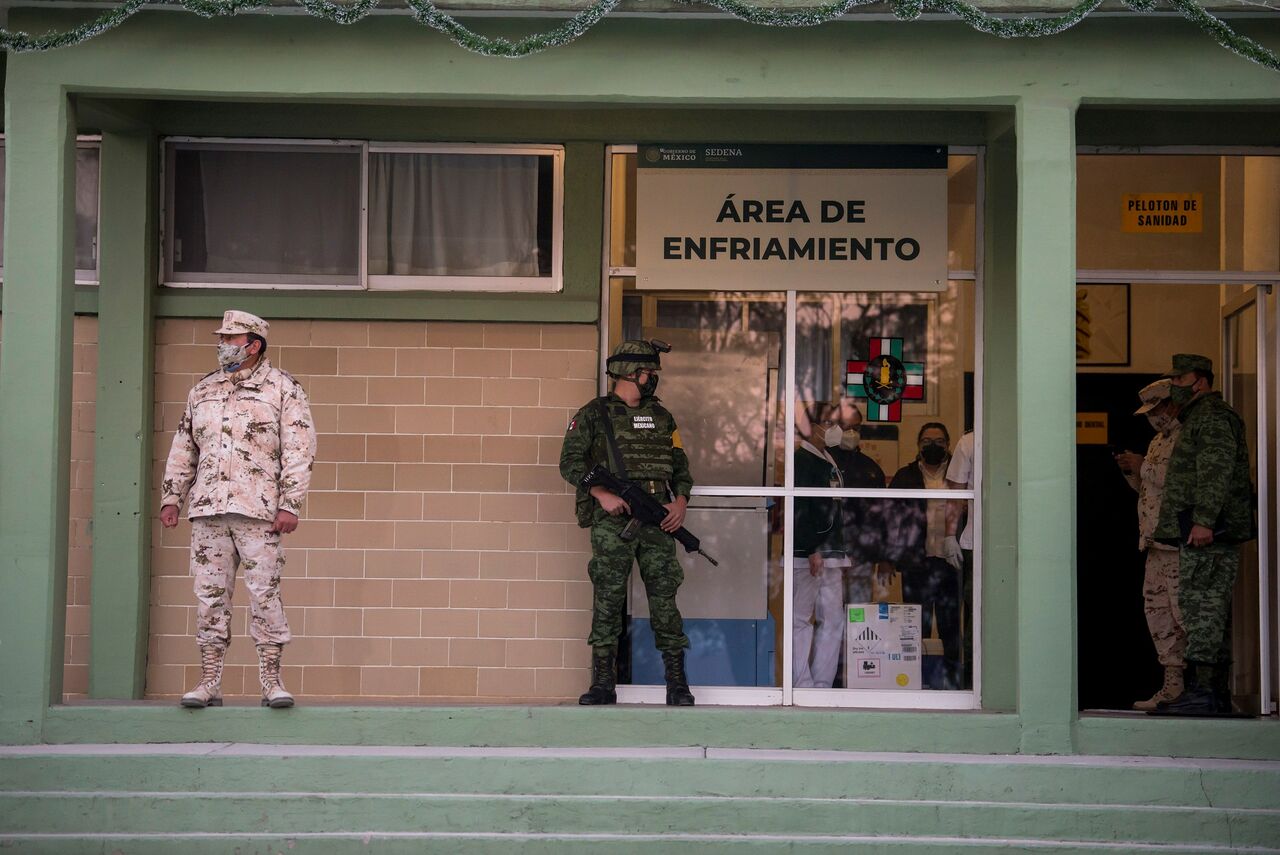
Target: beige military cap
(235,322)
(1151,396)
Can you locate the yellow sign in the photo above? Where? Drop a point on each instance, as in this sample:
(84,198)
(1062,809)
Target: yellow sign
(1162,213)
(1091,428)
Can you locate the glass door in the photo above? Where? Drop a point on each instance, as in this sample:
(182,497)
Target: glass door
(1244,386)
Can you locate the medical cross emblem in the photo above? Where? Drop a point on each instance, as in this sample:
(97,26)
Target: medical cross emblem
(885,380)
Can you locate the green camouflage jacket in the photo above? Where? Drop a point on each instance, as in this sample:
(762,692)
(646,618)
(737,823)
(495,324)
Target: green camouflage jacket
(243,446)
(647,439)
(1208,473)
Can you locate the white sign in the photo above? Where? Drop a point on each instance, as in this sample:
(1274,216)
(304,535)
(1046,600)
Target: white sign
(779,217)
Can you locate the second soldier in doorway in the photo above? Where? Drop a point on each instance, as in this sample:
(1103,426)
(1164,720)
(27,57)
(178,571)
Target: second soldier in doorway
(648,443)
(1160,581)
(1207,512)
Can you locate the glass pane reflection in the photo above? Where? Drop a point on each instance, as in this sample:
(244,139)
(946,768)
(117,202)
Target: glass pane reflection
(732,613)
(876,603)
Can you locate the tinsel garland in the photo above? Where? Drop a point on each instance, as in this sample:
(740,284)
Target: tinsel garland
(427,13)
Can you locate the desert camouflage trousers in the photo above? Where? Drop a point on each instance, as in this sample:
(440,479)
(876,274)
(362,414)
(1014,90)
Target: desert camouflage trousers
(1207,575)
(219,546)
(1160,601)
(610,567)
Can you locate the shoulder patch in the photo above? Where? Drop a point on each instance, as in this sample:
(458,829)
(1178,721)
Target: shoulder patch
(573,424)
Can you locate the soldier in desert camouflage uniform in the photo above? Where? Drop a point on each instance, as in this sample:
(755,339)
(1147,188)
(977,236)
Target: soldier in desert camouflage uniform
(1207,512)
(653,457)
(1160,583)
(242,458)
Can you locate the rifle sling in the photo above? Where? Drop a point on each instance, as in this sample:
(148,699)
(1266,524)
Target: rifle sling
(615,456)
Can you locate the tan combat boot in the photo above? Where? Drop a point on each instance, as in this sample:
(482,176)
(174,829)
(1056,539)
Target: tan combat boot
(208,692)
(1171,689)
(273,691)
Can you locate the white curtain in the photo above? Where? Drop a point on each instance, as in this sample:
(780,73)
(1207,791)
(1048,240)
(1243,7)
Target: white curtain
(86,208)
(274,212)
(453,214)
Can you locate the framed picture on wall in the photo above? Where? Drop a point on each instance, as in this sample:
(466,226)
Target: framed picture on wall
(1102,324)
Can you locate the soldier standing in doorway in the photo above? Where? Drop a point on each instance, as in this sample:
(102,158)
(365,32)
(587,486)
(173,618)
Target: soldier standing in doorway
(1146,474)
(1207,512)
(646,439)
(243,453)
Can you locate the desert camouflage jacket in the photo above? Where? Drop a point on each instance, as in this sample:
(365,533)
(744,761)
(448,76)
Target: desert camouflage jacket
(1149,482)
(244,446)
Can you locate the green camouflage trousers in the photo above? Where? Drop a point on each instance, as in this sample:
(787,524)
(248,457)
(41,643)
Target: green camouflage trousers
(611,560)
(1207,575)
(1160,599)
(221,544)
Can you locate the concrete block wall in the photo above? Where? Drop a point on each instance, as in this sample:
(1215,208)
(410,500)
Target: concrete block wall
(84,394)
(438,557)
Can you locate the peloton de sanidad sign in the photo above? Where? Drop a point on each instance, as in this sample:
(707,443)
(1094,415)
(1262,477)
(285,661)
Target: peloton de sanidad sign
(739,217)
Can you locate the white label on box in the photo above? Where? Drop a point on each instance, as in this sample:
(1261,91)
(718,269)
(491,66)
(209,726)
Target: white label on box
(882,646)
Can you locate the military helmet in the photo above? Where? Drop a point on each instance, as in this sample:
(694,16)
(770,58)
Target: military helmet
(635,354)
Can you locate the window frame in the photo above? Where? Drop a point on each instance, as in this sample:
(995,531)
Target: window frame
(402,282)
(363,281)
(255,281)
(83,276)
(785,694)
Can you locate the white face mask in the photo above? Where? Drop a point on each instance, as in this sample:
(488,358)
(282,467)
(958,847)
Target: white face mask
(231,355)
(850,439)
(1161,422)
(833,436)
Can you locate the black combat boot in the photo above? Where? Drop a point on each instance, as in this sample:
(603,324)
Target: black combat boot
(678,694)
(604,679)
(1197,698)
(1220,685)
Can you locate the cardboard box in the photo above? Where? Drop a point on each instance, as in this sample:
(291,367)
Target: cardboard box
(882,646)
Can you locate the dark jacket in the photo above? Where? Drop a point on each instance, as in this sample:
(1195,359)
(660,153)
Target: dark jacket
(912,521)
(865,520)
(818,521)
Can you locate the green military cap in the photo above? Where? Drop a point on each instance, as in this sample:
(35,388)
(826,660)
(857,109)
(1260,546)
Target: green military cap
(1184,363)
(635,354)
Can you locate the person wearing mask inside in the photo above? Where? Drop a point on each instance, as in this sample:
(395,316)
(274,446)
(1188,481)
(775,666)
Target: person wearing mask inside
(1160,582)
(863,532)
(819,559)
(929,577)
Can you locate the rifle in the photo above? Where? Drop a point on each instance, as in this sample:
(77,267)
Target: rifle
(644,509)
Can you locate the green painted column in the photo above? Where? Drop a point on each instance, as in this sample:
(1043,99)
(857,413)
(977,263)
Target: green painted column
(1045,414)
(35,403)
(999,606)
(122,447)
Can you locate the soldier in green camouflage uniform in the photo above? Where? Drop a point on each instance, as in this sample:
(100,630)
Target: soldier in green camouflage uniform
(653,457)
(241,457)
(1207,511)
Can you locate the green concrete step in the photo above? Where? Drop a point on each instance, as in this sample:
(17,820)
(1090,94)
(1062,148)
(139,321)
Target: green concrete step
(284,813)
(219,767)
(562,844)
(225,797)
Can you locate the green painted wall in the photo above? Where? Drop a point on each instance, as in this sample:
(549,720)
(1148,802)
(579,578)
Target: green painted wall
(629,80)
